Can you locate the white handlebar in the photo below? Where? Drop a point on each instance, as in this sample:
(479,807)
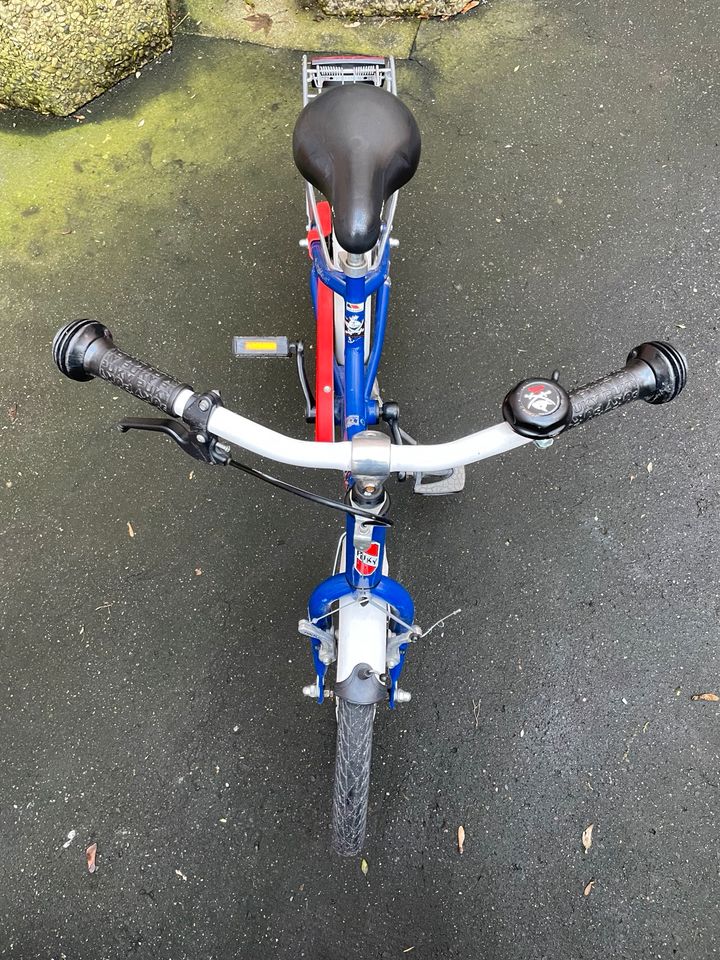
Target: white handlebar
(420,458)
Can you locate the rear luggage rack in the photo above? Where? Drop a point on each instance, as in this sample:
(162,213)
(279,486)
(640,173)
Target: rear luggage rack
(319,72)
(327,72)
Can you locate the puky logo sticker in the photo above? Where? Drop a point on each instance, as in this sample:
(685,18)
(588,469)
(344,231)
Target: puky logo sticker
(366,561)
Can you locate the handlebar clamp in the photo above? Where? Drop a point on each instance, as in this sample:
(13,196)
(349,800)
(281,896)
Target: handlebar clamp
(196,415)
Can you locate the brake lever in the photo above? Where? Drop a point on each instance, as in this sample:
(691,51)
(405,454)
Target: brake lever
(196,440)
(205,450)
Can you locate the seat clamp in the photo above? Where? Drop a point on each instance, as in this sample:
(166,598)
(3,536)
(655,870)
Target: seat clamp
(353,264)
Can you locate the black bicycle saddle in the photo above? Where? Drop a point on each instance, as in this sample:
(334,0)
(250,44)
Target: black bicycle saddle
(357,144)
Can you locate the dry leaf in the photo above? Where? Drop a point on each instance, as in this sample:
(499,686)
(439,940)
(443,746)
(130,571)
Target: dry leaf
(12,412)
(470,5)
(461,839)
(588,888)
(260,21)
(364,866)
(712,697)
(90,855)
(587,837)
(131,532)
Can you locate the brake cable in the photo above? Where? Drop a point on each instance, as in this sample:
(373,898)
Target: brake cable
(199,443)
(309,495)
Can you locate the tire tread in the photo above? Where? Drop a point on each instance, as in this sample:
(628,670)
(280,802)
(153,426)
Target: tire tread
(352,776)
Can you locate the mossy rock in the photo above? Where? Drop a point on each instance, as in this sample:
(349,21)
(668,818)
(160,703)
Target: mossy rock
(395,8)
(56,55)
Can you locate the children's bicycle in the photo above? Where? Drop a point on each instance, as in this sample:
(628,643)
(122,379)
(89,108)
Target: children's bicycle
(356,144)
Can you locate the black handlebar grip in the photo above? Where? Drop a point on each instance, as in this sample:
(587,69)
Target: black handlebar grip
(655,372)
(84,349)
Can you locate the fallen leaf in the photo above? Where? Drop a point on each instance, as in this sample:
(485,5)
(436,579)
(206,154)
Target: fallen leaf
(588,888)
(470,5)
(12,412)
(364,866)
(712,697)
(461,839)
(260,21)
(198,572)
(90,855)
(131,532)
(587,837)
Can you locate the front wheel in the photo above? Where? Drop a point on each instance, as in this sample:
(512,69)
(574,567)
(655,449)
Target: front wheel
(352,776)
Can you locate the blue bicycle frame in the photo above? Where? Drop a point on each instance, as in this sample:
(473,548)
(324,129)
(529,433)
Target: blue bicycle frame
(356,410)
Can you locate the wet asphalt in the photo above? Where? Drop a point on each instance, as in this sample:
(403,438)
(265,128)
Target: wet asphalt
(565,210)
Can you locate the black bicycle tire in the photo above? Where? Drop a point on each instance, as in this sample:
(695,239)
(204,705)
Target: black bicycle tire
(352,776)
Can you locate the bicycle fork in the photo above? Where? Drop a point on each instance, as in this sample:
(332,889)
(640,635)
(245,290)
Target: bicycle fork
(374,616)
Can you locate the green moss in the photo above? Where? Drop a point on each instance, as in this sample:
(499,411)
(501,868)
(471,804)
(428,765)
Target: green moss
(477,43)
(68,184)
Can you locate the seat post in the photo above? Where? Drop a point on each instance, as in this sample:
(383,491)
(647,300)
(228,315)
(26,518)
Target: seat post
(353,264)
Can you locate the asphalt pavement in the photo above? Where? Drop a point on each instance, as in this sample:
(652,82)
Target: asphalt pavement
(566,208)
